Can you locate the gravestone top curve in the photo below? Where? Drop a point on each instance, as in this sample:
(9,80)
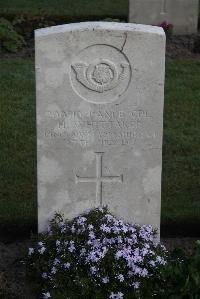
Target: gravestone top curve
(99,26)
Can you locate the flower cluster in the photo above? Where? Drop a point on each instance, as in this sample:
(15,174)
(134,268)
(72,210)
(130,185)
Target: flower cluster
(167,27)
(96,253)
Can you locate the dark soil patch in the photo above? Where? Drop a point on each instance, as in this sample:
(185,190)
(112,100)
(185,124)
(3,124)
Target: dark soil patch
(188,244)
(176,47)
(10,233)
(180,230)
(186,46)
(13,282)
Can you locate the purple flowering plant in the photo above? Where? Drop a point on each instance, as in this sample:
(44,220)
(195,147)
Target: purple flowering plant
(96,256)
(167,27)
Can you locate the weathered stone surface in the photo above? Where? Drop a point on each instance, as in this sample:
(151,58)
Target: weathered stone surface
(99,119)
(183,14)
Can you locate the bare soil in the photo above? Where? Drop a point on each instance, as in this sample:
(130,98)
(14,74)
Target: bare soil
(13,282)
(186,46)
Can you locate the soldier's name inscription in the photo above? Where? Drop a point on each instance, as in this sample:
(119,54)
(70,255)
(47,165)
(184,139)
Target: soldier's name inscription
(100,127)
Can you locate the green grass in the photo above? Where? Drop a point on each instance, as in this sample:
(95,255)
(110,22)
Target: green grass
(72,9)
(181,154)
(18,143)
(181,157)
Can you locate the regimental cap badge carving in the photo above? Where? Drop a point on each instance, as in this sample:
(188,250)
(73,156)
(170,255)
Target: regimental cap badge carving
(100,74)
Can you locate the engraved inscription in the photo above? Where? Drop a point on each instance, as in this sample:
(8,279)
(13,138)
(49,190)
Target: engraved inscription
(103,128)
(100,74)
(99,179)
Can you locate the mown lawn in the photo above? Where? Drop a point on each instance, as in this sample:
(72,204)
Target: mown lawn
(71,9)
(181,151)
(181,157)
(18,143)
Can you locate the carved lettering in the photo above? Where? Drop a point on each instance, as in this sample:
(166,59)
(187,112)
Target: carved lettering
(102,127)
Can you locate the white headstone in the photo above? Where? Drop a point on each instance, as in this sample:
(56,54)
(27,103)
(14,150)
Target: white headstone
(183,14)
(99,119)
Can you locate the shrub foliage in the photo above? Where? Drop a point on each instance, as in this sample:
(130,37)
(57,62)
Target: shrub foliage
(96,256)
(10,40)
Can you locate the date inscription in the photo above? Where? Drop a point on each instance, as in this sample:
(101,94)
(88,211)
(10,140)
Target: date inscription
(101,128)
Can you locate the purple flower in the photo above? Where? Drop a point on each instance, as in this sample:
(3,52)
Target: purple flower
(119,239)
(121,222)
(109,217)
(146,246)
(96,243)
(118,254)
(82,252)
(163,247)
(57,243)
(56,262)
(130,273)
(136,285)
(30,251)
(71,247)
(63,227)
(144,272)
(146,232)
(42,250)
(160,260)
(67,265)
(91,227)
(144,251)
(53,270)
(91,235)
(152,263)
(124,228)
(120,277)
(131,229)
(49,229)
(93,270)
(100,209)
(118,295)
(116,229)
(46,295)
(66,243)
(108,241)
(73,229)
(44,275)
(105,228)
(137,270)
(81,220)
(92,257)
(105,279)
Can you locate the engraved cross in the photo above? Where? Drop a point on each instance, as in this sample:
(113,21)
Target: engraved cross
(99,179)
(164,7)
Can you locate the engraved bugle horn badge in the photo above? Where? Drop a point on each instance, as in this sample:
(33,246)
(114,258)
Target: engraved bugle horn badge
(100,76)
